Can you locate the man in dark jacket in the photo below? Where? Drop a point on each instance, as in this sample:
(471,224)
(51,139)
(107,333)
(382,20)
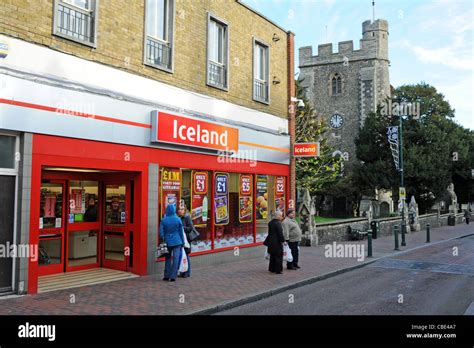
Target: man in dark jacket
(188,228)
(274,242)
(171,231)
(467,215)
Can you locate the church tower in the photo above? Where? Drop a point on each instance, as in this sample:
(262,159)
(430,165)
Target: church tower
(344,87)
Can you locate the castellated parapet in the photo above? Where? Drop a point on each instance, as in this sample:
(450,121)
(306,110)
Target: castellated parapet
(373,45)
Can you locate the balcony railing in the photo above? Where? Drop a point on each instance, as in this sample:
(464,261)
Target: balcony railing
(217,74)
(75,22)
(260,90)
(158,53)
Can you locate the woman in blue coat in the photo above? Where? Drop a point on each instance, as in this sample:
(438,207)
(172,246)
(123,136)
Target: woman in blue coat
(171,231)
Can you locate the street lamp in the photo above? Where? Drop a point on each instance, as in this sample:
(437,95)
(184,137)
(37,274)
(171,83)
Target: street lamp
(300,102)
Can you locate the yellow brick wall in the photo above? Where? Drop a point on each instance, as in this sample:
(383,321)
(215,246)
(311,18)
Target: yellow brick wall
(120,44)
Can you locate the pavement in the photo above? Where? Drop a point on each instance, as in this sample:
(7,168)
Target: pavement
(212,289)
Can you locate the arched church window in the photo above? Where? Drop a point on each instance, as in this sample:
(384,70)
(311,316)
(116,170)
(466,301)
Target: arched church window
(336,84)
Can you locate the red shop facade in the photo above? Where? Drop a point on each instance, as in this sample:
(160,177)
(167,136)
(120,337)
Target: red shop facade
(91,200)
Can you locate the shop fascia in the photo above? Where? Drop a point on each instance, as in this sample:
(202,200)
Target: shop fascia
(167,128)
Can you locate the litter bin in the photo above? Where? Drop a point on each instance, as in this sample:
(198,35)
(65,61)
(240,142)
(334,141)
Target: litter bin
(375,226)
(451,220)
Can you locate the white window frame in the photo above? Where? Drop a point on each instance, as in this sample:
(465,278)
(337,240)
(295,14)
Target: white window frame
(95,15)
(212,17)
(257,42)
(170,33)
(14,172)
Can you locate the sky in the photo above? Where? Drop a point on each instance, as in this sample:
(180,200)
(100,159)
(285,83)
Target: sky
(429,40)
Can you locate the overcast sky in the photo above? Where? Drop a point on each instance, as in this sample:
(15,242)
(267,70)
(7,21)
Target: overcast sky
(430,40)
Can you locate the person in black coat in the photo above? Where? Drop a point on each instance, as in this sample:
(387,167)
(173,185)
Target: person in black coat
(187,227)
(274,242)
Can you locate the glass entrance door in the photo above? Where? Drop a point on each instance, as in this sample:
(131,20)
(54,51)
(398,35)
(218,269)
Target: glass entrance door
(7,202)
(115,250)
(83,225)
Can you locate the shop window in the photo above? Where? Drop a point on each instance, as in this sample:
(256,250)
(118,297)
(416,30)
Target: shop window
(76,20)
(170,184)
(196,197)
(233,209)
(263,205)
(115,206)
(7,151)
(83,201)
(51,205)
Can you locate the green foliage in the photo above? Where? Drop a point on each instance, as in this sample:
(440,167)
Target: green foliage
(429,143)
(314,173)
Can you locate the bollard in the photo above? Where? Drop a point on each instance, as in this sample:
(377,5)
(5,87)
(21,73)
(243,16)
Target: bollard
(428,239)
(395,234)
(404,231)
(369,244)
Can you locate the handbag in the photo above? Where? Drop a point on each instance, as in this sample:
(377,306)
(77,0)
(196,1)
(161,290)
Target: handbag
(193,235)
(161,250)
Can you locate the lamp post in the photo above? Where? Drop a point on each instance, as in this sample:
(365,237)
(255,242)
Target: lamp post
(402,184)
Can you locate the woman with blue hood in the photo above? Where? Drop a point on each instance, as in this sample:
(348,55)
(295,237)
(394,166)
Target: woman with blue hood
(171,231)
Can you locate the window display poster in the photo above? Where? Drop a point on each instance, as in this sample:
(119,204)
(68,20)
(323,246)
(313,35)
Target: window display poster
(78,201)
(245,198)
(280,194)
(221,204)
(199,200)
(221,198)
(262,197)
(50,206)
(170,187)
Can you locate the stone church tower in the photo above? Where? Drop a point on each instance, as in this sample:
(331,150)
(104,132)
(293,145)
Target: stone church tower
(345,86)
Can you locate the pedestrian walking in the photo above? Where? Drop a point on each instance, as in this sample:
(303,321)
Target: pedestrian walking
(188,227)
(292,234)
(171,231)
(274,243)
(467,215)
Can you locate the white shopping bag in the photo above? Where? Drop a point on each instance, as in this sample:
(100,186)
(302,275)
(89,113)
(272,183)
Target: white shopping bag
(183,265)
(267,255)
(287,256)
(186,243)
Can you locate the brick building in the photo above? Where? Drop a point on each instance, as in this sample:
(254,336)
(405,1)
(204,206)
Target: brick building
(112,109)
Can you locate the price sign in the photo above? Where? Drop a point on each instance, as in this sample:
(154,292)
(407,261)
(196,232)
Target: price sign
(245,185)
(280,185)
(200,183)
(221,181)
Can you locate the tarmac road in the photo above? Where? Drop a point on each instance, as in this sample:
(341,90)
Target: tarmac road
(435,280)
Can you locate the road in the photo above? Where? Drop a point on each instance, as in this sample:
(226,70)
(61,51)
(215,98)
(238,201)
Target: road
(434,280)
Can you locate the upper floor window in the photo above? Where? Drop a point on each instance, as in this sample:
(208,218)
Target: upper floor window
(261,72)
(336,84)
(217,53)
(159,33)
(76,20)
(9,151)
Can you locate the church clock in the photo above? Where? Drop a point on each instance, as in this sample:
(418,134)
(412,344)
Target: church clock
(336,121)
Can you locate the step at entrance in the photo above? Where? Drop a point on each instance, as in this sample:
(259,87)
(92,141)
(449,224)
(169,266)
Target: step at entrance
(80,278)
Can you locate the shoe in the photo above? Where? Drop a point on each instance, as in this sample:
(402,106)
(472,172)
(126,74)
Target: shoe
(292,268)
(298,267)
(166,279)
(278,272)
(172,280)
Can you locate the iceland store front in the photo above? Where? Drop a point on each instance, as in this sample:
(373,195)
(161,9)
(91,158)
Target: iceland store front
(104,151)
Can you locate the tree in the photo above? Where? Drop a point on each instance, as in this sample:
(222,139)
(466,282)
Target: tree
(317,173)
(430,142)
